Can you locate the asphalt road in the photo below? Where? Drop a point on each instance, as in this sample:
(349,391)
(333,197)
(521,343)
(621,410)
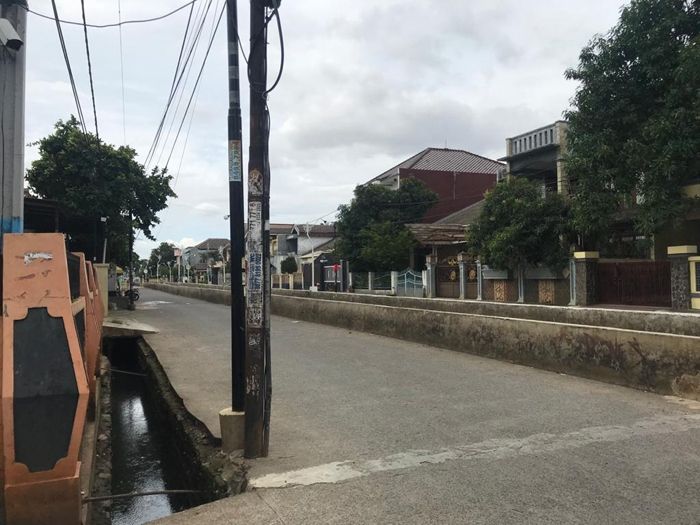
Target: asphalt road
(367,429)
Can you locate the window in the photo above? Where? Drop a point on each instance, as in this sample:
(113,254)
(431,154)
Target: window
(540,138)
(530,142)
(551,136)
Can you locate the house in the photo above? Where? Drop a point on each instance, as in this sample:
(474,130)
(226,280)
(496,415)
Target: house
(205,261)
(458,177)
(539,155)
(445,239)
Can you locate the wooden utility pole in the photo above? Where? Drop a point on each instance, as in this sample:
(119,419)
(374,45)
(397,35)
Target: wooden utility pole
(236,218)
(13,17)
(258,244)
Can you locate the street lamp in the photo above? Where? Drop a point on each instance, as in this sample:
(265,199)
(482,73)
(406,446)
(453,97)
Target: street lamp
(170,271)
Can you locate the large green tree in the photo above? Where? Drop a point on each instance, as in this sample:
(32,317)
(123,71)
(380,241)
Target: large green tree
(371,229)
(92,179)
(634,131)
(518,227)
(161,255)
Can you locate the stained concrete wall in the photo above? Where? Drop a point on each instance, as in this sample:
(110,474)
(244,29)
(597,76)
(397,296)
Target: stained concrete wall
(205,292)
(640,349)
(643,320)
(663,363)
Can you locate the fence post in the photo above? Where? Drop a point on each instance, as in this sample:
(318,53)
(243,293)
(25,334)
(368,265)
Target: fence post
(680,275)
(430,264)
(586,277)
(424,279)
(394,283)
(291,281)
(521,285)
(479,281)
(370,281)
(462,261)
(572,282)
(351,287)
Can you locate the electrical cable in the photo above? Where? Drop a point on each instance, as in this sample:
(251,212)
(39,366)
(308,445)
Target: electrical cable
(89,62)
(190,65)
(156,139)
(68,66)
(191,44)
(119,24)
(199,77)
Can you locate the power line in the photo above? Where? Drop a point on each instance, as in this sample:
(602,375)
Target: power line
(87,52)
(199,77)
(119,24)
(192,48)
(187,70)
(68,66)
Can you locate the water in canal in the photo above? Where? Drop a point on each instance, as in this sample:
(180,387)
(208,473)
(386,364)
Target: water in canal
(143,458)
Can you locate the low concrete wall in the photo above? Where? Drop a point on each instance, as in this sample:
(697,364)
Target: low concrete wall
(205,292)
(663,363)
(642,320)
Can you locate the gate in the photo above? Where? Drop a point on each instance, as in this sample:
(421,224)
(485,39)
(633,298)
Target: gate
(410,284)
(448,281)
(638,283)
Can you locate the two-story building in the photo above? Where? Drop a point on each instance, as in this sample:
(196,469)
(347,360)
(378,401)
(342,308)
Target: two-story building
(459,178)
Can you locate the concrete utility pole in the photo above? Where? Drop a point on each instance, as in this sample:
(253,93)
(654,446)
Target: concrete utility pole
(257,365)
(13,29)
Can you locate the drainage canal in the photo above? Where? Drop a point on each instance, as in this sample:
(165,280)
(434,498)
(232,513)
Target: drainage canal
(144,451)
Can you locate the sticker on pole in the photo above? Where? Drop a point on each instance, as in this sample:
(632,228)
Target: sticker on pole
(234,161)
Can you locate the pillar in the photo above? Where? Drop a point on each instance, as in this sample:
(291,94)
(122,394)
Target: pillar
(102,272)
(394,283)
(680,275)
(462,261)
(521,285)
(479,281)
(694,283)
(370,281)
(586,278)
(431,267)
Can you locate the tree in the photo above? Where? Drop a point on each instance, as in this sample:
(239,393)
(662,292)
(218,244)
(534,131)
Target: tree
(371,229)
(166,252)
(92,179)
(635,124)
(519,228)
(289,265)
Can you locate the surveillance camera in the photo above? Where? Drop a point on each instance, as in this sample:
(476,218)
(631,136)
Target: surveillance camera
(8,36)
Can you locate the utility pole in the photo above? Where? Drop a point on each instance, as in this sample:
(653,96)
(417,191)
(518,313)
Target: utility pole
(13,21)
(131,261)
(257,365)
(236,215)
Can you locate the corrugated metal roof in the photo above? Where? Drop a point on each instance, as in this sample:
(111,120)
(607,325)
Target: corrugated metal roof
(438,234)
(465,216)
(443,159)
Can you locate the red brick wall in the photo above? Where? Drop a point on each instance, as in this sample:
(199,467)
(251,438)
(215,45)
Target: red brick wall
(455,191)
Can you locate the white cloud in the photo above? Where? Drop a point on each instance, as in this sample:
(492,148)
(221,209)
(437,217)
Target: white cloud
(364,87)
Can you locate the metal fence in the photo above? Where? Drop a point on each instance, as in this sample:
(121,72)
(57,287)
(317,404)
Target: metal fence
(381,281)
(410,284)
(360,280)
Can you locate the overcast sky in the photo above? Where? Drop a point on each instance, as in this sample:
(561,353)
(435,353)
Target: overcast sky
(367,84)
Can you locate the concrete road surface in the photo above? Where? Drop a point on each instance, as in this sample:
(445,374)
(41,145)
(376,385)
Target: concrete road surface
(367,429)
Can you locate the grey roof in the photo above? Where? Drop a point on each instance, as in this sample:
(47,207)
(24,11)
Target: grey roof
(212,244)
(464,216)
(438,234)
(443,159)
(317,230)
